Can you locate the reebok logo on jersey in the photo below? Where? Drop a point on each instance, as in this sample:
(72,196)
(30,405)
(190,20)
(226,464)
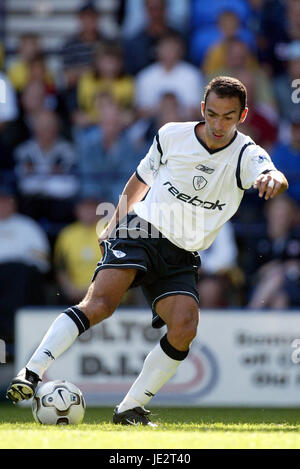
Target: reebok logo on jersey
(193,200)
(205,169)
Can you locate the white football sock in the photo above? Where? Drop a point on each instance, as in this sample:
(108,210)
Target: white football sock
(59,338)
(157,370)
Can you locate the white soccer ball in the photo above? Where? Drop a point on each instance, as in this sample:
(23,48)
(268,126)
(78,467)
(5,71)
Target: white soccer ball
(58,403)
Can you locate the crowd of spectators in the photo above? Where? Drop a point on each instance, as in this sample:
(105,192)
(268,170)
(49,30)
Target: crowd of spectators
(70,138)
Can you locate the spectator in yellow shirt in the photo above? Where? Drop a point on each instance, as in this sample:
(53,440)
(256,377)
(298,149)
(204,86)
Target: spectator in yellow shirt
(107,76)
(77,252)
(237,58)
(21,69)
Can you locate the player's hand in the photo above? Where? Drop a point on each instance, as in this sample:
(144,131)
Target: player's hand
(103,236)
(270,184)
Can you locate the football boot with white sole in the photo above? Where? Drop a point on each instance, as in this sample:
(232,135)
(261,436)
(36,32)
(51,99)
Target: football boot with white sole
(23,386)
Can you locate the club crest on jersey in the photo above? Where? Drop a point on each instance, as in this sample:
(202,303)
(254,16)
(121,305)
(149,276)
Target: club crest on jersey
(199,182)
(205,169)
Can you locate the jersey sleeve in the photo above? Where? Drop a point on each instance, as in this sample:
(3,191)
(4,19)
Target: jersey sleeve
(255,161)
(149,166)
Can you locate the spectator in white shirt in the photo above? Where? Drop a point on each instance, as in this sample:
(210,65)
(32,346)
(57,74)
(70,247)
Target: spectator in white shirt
(8,113)
(24,252)
(219,263)
(8,100)
(217,258)
(170,74)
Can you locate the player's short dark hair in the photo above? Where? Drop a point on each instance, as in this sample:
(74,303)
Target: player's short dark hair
(227,87)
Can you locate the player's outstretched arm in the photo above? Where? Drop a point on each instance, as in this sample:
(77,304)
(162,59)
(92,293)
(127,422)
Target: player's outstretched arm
(134,191)
(271,184)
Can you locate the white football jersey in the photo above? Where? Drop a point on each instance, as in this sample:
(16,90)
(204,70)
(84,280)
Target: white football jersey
(195,190)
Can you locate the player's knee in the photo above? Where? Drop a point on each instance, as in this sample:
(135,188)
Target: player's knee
(97,309)
(188,329)
(184,329)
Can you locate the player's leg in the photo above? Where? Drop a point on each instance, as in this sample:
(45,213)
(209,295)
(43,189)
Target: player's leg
(102,298)
(181,315)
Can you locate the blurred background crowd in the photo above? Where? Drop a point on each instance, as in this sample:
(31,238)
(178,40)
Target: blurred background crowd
(86,87)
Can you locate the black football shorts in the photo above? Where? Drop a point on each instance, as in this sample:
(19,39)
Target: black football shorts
(163,269)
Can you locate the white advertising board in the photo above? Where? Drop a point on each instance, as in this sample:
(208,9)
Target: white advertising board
(238,359)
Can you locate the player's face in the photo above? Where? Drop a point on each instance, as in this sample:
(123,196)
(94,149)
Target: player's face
(222,115)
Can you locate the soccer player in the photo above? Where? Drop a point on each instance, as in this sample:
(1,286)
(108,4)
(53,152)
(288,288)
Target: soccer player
(188,185)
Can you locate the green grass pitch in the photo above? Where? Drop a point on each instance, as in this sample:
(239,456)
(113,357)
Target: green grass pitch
(187,428)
